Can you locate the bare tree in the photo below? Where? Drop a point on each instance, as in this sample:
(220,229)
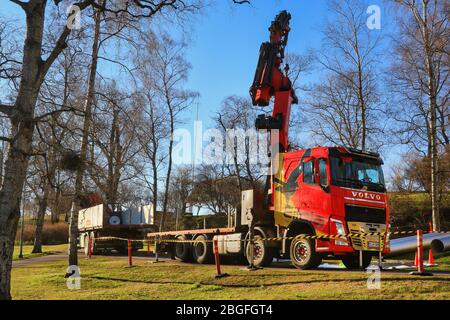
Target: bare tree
(345,104)
(420,78)
(35,64)
(114,143)
(234,120)
(180,193)
(165,58)
(153,125)
(214,189)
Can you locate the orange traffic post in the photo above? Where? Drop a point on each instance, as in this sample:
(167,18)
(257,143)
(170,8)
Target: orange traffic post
(430,257)
(419,254)
(219,273)
(148,247)
(419,251)
(430,252)
(130,250)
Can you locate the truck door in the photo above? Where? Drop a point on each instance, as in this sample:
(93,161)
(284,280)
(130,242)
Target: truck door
(313,196)
(287,191)
(290,189)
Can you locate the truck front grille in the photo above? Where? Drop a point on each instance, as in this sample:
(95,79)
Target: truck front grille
(365,214)
(364,241)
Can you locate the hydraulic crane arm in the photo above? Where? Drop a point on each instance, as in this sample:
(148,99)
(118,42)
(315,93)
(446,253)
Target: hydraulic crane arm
(270,81)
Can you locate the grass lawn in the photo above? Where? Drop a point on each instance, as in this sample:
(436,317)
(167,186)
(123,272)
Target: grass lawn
(110,278)
(443,262)
(46,250)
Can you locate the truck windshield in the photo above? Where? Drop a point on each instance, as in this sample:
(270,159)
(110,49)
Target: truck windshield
(358,173)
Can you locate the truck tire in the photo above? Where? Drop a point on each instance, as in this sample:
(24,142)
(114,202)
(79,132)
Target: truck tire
(262,255)
(303,254)
(202,250)
(183,250)
(122,250)
(351,262)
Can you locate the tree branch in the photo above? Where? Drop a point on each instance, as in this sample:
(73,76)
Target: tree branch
(23,5)
(6,109)
(61,43)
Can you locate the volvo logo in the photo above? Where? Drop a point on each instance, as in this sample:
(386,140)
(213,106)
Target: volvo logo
(366,195)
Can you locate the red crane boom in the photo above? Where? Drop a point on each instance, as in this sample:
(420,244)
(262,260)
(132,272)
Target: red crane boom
(270,81)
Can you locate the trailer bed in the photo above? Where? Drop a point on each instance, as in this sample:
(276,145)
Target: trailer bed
(118,226)
(191,232)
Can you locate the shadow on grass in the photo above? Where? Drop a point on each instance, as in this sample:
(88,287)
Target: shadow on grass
(231,285)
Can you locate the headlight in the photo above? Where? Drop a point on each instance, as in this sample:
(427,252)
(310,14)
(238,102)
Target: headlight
(341,231)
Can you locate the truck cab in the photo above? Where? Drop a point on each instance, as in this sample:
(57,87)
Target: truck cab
(330,191)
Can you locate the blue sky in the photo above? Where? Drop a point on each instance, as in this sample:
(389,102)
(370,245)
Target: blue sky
(224,44)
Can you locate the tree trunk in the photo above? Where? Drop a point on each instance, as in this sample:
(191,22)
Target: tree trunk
(37,248)
(22,127)
(169,171)
(432,93)
(153,156)
(55,206)
(434,168)
(73,229)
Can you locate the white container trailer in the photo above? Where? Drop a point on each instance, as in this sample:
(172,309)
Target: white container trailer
(98,223)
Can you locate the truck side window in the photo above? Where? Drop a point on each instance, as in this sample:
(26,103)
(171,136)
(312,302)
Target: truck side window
(323,172)
(308,172)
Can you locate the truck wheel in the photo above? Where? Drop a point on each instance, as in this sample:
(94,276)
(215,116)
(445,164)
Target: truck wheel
(352,262)
(262,255)
(202,250)
(183,249)
(304,255)
(122,250)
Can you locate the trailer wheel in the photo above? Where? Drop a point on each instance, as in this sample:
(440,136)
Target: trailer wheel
(262,255)
(352,262)
(122,250)
(183,249)
(303,254)
(202,250)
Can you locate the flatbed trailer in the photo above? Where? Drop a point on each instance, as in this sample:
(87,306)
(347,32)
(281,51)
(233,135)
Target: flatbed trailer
(191,232)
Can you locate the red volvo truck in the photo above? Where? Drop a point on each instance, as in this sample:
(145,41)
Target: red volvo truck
(318,191)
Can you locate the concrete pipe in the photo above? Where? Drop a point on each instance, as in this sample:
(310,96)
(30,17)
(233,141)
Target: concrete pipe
(409,244)
(441,245)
